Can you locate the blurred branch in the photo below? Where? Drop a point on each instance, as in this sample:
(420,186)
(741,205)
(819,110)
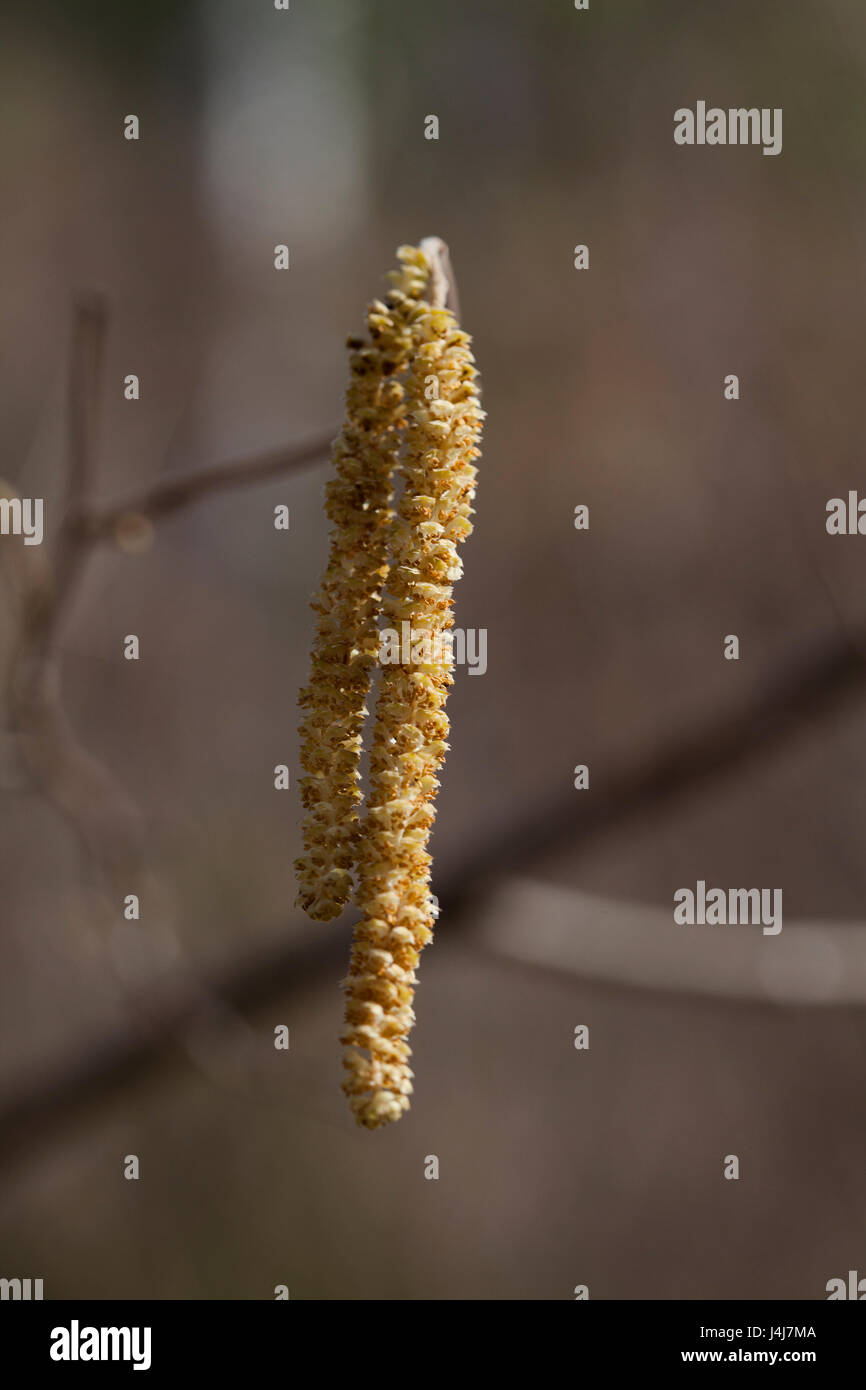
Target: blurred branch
(107,821)
(808,687)
(628,943)
(154,1038)
(168,495)
(89,328)
(43,618)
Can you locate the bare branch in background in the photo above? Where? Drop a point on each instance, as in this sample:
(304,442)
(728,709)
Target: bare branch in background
(86,358)
(105,818)
(43,621)
(168,495)
(809,687)
(593,938)
(155,1038)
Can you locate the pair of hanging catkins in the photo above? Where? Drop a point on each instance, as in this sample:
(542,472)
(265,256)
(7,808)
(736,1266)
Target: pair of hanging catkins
(412,418)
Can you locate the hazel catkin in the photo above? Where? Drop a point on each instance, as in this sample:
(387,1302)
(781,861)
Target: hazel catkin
(345,648)
(412,384)
(411,726)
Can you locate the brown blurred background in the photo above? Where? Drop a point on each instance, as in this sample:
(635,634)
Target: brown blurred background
(602,387)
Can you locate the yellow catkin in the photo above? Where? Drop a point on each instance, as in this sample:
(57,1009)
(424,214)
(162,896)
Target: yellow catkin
(411,727)
(346,643)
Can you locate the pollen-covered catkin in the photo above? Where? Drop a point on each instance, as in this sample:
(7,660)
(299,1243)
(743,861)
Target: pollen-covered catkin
(411,726)
(346,643)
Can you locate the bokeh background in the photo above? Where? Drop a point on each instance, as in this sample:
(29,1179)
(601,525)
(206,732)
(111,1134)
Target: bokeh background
(605,387)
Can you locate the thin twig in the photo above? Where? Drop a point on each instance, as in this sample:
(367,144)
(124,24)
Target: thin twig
(168,495)
(44,621)
(811,685)
(152,1038)
(443,285)
(89,328)
(106,820)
